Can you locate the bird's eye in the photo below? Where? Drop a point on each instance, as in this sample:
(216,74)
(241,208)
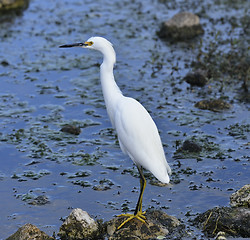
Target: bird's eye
(90,43)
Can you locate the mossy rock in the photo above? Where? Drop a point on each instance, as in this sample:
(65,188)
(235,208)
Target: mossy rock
(180,27)
(158,225)
(13,5)
(29,232)
(215,105)
(232,221)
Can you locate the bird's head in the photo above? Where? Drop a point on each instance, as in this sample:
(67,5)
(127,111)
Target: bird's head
(97,43)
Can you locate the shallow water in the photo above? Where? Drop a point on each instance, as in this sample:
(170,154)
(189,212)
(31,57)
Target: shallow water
(44,87)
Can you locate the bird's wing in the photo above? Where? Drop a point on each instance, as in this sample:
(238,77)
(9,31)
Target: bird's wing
(139,138)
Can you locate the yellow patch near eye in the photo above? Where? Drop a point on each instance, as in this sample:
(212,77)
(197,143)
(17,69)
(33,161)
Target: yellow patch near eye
(89,43)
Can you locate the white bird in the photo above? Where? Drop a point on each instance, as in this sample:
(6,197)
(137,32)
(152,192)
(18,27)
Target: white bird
(137,133)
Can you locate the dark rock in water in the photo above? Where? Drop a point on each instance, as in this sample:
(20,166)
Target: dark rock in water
(181,26)
(232,221)
(40,200)
(71,129)
(29,232)
(196,79)
(158,225)
(78,225)
(214,105)
(191,146)
(5,63)
(10,5)
(241,197)
(103,185)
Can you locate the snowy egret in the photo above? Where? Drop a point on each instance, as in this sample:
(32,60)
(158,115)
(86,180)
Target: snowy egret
(137,133)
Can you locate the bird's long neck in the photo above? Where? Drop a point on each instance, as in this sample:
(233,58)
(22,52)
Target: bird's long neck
(111,91)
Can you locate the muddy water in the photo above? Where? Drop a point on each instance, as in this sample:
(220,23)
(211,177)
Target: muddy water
(45,173)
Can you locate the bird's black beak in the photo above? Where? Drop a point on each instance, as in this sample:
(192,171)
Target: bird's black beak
(74,45)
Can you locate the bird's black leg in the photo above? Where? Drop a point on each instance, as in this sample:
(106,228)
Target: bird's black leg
(138,210)
(142,188)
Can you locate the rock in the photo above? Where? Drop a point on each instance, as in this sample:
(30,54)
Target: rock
(78,225)
(232,221)
(214,105)
(191,146)
(184,25)
(196,79)
(10,5)
(29,232)
(159,225)
(40,200)
(5,63)
(71,129)
(241,197)
(104,184)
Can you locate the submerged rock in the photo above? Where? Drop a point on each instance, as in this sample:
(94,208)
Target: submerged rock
(158,225)
(214,105)
(40,200)
(241,197)
(191,146)
(184,25)
(71,129)
(196,79)
(232,221)
(29,232)
(78,225)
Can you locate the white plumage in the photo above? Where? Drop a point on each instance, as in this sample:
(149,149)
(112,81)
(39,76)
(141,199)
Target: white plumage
(137,133)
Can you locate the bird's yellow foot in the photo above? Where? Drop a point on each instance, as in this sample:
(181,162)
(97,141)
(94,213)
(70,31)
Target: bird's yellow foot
(140,216)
